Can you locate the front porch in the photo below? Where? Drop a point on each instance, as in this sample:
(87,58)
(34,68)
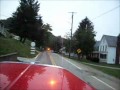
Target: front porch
(103,56)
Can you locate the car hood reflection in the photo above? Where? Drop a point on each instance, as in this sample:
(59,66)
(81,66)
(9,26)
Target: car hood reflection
(21,76)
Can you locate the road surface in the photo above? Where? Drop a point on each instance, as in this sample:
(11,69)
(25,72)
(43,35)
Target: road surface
(97,79)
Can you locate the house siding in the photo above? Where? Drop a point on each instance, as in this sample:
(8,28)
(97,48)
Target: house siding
(111,55)
(103,49)
(103,45)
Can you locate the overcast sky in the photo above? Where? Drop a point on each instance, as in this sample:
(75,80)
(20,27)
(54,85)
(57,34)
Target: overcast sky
(105,14)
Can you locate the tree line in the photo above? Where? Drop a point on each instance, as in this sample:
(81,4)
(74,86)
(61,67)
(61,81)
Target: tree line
(83,38)
(28,24)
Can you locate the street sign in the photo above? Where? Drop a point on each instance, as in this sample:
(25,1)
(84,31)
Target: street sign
(79,50)
(33,44)
(32,48)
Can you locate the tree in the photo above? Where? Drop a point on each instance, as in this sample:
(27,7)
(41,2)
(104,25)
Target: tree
(26,23)
(58,43)
(118,50)
(47,27)
(84,37)
(6,22)
(24,19)
(47,34)
(44,36)
(51,41)
(67,42)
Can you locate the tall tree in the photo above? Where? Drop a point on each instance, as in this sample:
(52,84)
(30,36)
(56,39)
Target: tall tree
(44,36)
(24,19)
(47,34)
(118,50)
(58,43)
(67,42)
(84,36)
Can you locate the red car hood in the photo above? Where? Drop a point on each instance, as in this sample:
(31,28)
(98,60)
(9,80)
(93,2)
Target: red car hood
(21,76)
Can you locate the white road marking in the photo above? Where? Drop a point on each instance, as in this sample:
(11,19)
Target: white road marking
(103,82)
(69,62)
(91,76)
(37,56)
(52,60)
(72,64)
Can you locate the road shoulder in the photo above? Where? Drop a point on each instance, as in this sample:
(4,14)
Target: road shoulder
(93,70)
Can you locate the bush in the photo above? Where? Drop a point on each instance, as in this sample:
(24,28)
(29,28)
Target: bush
(93,59)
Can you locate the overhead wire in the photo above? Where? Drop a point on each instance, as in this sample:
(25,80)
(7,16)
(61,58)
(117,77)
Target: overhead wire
(93,18)
(106,12)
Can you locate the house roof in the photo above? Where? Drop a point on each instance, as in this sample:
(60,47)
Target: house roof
(97,43)
(111,40)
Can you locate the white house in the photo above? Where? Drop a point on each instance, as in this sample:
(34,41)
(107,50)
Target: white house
(107,49)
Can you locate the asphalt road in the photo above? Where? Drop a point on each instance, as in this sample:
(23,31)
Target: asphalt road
(91,76)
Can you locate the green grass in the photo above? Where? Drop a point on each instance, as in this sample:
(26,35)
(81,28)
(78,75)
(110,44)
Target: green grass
(102,64)
(8,45)
(112,72)
(88,61)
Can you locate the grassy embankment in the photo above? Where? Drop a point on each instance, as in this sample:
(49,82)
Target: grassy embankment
(109,71)
(8,45)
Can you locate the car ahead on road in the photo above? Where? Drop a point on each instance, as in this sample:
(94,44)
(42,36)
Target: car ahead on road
(25,76)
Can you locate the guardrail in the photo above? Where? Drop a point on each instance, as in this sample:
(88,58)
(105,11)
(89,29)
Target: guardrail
(9,57)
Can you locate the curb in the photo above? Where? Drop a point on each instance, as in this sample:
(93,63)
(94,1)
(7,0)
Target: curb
(29,60)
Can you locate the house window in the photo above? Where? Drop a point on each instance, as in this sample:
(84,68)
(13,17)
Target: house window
(103,56)
(103,48)
(100,48)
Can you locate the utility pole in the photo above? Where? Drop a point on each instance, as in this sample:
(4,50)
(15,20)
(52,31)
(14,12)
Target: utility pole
(71,33)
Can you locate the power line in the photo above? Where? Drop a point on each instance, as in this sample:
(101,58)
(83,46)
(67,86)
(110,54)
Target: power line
(106,12)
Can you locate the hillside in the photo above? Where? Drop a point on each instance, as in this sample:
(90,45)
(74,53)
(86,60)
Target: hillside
(8,45)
